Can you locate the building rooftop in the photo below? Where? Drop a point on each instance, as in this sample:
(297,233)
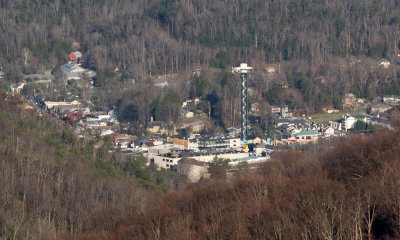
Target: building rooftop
(306,133)
(360,116)
(250,159)
(37,77)
(381,121)
(291,120)
(166,146)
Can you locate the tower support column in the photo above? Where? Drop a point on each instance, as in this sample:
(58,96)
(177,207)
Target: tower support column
(244,106)
(243,70)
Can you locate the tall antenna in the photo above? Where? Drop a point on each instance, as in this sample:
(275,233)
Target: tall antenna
(243,70)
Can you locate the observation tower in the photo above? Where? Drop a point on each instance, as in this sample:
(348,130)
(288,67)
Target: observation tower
(243,70)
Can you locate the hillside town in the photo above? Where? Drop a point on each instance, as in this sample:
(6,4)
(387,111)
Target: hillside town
(182,146)
(187,119)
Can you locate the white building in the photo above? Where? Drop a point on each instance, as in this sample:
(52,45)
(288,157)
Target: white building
(330,131)
(186,113)
(380,108)
(50,104)
(234,143)
(162,84)
(391,99)
(76,72)
(164,148)
(384,63)
(16,88)
(307,137)
(2,75)
(165,161)
(209,157)
(170,159)
(193,145)
(349,122)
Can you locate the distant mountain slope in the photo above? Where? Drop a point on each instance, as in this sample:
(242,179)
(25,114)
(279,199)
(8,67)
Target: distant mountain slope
(173,35)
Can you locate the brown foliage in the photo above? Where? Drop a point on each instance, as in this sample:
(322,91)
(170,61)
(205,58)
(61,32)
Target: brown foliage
(348,191)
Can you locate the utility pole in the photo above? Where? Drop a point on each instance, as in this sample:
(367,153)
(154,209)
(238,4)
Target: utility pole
(243,70)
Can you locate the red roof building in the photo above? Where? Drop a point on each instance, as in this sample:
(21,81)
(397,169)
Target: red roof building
(75,56)
(149,144)
(72,117)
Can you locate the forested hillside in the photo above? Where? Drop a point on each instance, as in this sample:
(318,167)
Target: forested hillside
(55,186)
(53,183)
(323,49)
(159,36)
(349,190)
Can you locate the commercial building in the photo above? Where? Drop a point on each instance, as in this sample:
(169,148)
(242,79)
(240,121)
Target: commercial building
(307,137)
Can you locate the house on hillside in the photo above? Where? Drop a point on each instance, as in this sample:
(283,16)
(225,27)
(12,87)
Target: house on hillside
(275,109)
(350,100)
(75,57)
(234,131)
(186,113)
(76,72)
(161,127)
(291,122)
(190,103)
(381,122)
(16,87)
(383,63)
(255,109)
(285,112)
(2,75)
(162,84)
(330,109)
(63,107)
(195,124)
(197,72)
(82,83)
(380,108)
(391,99)
(37,78)
(271,70)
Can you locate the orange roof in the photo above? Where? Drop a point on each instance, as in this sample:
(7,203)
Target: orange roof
(121,137)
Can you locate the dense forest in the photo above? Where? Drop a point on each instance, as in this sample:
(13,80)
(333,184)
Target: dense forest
(160,36)
(317,45)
